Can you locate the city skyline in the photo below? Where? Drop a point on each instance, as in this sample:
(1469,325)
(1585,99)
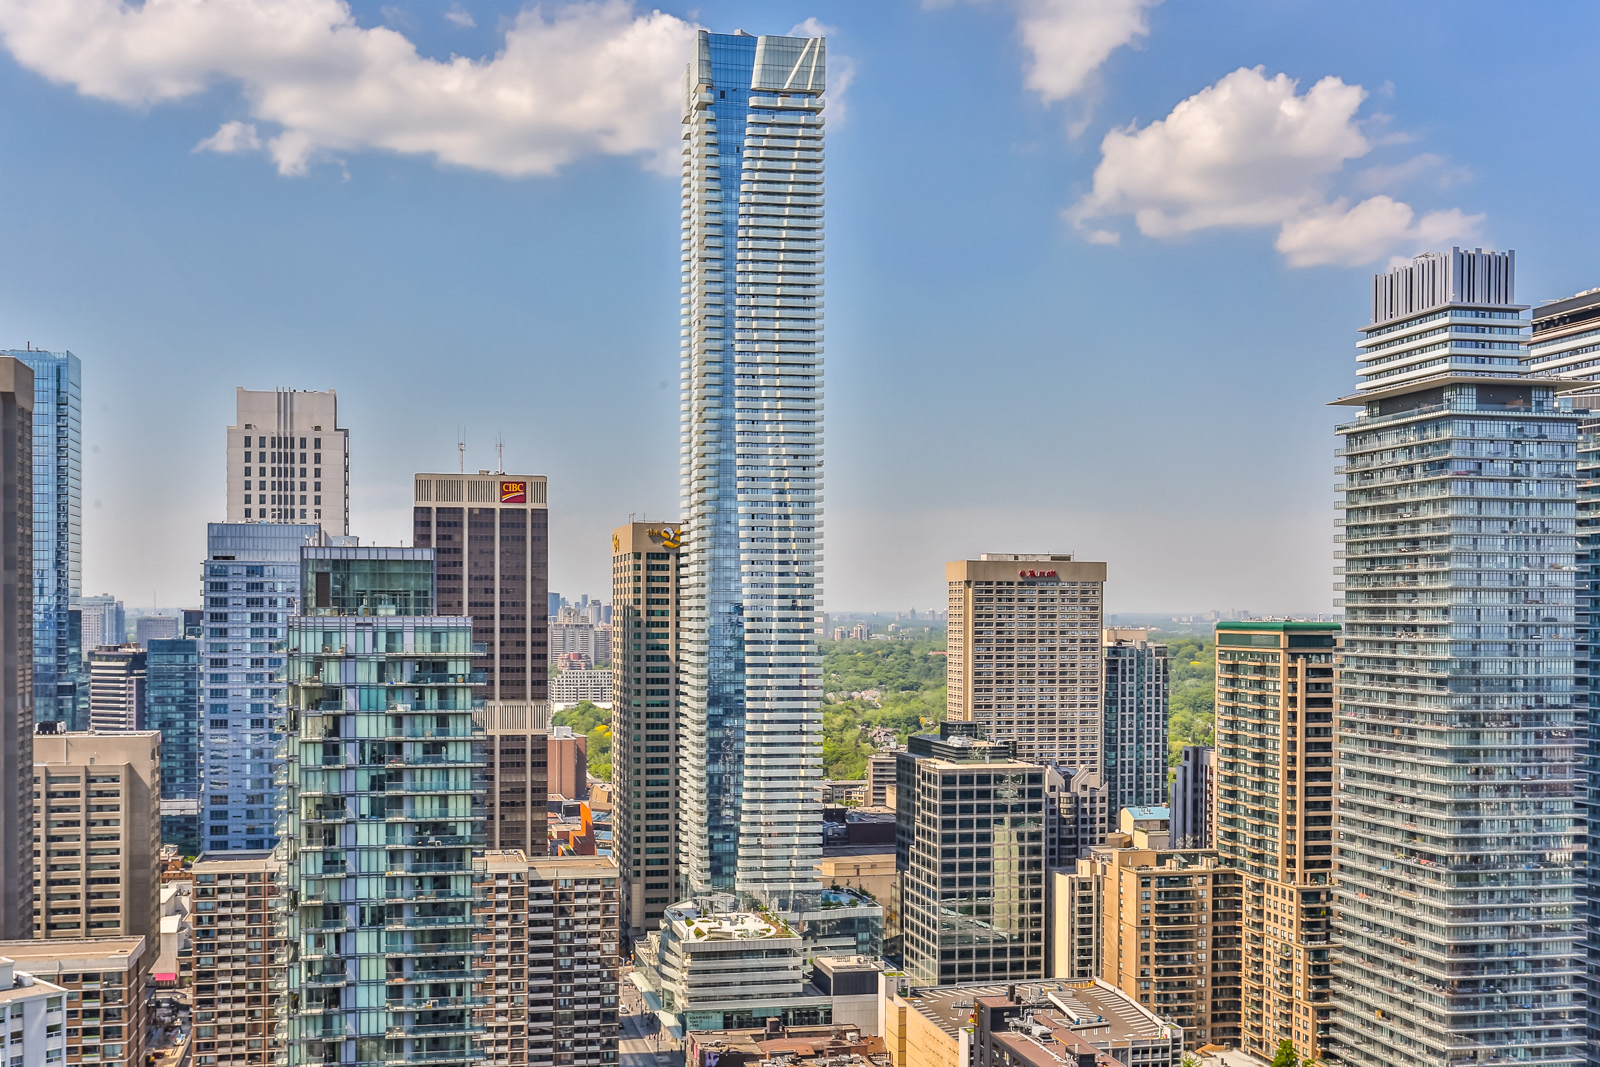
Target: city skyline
(221,298)
(774,833)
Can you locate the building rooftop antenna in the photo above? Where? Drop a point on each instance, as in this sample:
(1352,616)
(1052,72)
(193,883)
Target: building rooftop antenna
(499,454)
(461,450)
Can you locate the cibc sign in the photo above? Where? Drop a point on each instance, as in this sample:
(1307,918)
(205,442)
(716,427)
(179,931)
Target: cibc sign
(1036,574)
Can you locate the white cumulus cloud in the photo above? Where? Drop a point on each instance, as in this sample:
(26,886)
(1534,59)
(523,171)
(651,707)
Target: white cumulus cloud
(232,137)
(1254,151)
(1068,40)
(460,16)
(591,77)
(1348,236)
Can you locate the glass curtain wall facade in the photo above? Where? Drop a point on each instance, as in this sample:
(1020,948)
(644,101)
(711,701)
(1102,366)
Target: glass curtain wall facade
(1454,723)
(1566,344)
(251,583)
(172,706)
(58,677)
(382,808)
(969,850)
(1134,738)
(751,464)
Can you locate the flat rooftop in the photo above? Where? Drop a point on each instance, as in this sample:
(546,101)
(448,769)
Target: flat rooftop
(1149,813)
(838,851)
(695,925)
(45,959)
(1094,1011)
(17,990)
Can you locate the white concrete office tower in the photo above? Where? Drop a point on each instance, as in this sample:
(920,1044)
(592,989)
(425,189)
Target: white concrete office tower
(750,673)
(289,460)
(1454,724)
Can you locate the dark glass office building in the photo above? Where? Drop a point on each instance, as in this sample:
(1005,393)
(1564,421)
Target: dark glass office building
(172,705)
(969,849)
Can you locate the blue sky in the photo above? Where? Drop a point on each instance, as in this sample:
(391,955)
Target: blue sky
(191,200)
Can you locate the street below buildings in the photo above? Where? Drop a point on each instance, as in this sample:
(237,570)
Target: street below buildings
(642,1041)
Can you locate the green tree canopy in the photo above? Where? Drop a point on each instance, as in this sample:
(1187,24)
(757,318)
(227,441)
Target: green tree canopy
(909,679)
(594,723)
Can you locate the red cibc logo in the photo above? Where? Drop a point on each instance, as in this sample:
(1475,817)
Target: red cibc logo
(1036,574)
(513,492)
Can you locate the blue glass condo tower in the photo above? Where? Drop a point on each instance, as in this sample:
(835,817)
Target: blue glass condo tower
(751,466)
(251,587)
(58,674)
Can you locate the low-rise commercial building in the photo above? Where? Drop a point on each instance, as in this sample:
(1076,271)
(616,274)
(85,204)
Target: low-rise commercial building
(715,967)
(835,1045)
(1027,1024)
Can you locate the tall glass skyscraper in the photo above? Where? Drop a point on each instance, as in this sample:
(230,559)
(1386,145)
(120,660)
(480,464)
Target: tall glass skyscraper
(750,673)
(57,533)
(251,583)
(1454,725)
(383,806)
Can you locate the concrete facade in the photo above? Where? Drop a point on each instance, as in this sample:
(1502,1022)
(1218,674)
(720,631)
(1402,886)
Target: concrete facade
(547,940)
(16,648)
(107,980)
(289,460)
(1170,936)
(1274,728)
(644,720)
(1025,659)
(237,940)
(99,868)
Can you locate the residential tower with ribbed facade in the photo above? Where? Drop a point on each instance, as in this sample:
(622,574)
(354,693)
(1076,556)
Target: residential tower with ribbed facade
(1454,724)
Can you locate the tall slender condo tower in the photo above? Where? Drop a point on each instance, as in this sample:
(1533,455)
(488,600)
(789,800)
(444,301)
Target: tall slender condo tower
(750,673)
(1454,721)
(1563,345)
(58,672)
